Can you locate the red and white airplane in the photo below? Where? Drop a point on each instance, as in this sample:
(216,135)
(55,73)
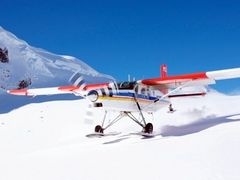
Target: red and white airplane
(143,96)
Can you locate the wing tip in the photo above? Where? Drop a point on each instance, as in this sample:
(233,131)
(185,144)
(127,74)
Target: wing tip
(20,92)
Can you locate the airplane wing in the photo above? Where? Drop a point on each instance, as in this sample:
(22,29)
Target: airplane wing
(43,91)
(175,83)
(162,83)
(79,88)
(76,90)
(196,79)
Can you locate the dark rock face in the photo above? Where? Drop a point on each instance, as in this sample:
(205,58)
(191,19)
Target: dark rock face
(24,83)
(4,55)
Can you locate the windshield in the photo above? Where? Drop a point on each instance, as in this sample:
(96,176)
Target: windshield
(126,85)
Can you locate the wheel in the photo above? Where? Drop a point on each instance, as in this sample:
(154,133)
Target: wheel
(148,128)
(98,129)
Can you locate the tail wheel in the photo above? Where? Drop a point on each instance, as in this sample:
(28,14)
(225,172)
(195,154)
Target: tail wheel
(98,129)
(148,128)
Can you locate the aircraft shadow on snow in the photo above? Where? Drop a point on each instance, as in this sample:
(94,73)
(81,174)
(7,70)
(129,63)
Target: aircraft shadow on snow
(196,126)
(9,102)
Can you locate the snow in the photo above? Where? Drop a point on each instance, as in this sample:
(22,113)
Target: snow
(68,57)
(201,140)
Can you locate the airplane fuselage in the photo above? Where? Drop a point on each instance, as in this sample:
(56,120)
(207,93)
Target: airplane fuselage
(126,100)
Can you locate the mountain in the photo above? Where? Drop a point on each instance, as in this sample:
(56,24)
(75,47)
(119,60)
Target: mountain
(37,67)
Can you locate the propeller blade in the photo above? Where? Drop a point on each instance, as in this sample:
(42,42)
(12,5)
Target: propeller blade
(77,79)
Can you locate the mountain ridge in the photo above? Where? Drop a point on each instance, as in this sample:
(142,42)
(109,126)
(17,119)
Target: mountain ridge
(44,68)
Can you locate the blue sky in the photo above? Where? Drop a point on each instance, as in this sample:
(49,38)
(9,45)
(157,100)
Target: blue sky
(121,37)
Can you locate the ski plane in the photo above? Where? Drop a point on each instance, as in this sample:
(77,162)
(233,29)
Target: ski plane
(142,96)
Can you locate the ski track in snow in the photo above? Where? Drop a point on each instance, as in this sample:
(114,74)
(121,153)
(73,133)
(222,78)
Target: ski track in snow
(48,141)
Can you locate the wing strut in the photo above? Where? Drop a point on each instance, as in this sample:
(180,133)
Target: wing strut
(169,93)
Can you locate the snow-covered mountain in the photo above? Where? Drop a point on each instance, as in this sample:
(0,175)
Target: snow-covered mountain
(38,67)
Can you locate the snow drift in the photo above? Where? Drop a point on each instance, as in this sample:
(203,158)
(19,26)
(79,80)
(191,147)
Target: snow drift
(199,141)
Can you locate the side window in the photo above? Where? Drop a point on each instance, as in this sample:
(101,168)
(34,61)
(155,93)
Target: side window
(148,92)
(153,93)
(143,91)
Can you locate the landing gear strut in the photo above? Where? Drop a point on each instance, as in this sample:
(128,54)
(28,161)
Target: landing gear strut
(147,127)
(101,128)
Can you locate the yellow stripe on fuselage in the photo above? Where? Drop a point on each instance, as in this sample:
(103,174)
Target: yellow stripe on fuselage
(119,98)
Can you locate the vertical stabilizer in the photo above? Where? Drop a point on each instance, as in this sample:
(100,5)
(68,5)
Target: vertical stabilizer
(163,71)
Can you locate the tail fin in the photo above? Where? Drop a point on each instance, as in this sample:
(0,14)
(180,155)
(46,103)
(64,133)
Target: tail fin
(163,70)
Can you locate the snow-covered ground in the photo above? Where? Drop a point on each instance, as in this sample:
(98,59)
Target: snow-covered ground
(200,141)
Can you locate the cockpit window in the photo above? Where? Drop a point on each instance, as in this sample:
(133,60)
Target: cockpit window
(127,85)
(143,91)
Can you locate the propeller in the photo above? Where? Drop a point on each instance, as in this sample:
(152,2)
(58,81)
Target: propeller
(77,79)
(91,92)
